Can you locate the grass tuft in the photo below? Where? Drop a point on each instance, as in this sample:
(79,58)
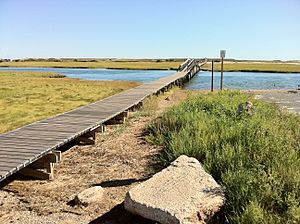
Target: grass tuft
(256,158)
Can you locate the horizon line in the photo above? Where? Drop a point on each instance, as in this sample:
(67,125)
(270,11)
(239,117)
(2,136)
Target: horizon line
(144,58)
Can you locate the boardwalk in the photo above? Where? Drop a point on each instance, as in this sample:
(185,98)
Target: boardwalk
(27,145)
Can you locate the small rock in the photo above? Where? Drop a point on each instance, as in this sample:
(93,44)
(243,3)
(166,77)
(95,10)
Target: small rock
(249,108)
(168,98)
(182,193)
(240,108)
(89,196)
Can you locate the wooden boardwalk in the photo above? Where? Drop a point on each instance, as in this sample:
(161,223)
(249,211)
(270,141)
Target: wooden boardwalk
(29,144)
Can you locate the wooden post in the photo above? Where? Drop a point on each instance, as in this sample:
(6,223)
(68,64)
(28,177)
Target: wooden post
(222,55)
(212,75)
(221,81)
(101,129)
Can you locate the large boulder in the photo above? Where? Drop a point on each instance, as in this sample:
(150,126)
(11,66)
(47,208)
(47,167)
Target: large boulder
(182,193)
(88,196)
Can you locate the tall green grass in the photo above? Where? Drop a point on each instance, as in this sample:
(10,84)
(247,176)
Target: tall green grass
(256,158)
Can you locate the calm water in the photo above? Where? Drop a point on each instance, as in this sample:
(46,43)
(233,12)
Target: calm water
(101,74)
(246,80)
(234,80)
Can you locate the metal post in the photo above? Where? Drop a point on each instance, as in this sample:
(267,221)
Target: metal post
(212,75)
(221,82)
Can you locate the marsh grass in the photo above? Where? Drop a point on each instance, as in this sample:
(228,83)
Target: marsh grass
(256,67)
(150,105)
(256,158)
(161,65)
(26,97)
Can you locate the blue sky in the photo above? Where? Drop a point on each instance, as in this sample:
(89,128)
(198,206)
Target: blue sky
(247,29)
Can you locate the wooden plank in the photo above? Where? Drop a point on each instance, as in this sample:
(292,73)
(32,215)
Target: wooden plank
(8,138)
(45,132)
(4,165)
(4,152)
(12,147)
(59,137)
(16,155)
(50,132)
(24,137)
(24,142)
(35,136)
(66,117)
(19,160)
(98,111)
(26,155)
(53,124)
(39,143)
(6,169)
(87,116)
(74,122)
(46,125)
(30,150)
(6,146)
(22,146)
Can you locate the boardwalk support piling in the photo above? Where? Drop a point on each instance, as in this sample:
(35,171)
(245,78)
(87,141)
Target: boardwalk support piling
(119,119)
(87,139)
(101,129)
(43,168)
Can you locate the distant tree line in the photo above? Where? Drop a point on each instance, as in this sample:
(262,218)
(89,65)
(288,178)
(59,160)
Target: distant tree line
(4,60)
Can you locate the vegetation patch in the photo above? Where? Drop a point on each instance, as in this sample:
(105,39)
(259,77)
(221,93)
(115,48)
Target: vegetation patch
(255,67)
(255,157)
(26,97)
(109,64)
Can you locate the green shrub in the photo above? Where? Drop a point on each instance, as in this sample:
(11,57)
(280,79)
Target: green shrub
(256,158)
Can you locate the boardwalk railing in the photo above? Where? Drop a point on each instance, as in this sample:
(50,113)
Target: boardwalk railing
(37,145)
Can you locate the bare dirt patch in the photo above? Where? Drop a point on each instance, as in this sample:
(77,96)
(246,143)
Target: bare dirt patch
(119,160)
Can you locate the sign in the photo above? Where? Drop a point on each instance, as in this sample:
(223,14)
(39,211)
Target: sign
(222,53)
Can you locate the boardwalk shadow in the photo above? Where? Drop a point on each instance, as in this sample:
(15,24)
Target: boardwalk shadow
(119,182)
(118,215)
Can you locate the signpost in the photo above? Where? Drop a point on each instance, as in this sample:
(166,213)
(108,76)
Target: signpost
(212,75)
(222,55)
